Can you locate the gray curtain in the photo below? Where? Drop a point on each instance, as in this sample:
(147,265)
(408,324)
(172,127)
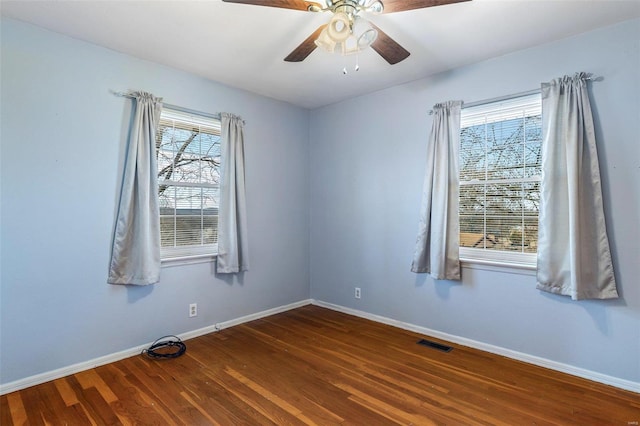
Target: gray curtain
(233,255)
(573,249)
(135,254)
(437,245)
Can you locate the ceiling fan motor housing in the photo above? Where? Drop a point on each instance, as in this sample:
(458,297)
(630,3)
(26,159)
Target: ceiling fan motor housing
(350,7)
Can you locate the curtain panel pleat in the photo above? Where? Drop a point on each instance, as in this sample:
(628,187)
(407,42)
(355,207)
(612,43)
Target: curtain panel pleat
(135,253)
(233,247)
(437,246)
(574,257)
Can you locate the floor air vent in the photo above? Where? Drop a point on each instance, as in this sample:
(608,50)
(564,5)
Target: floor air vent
(434,345)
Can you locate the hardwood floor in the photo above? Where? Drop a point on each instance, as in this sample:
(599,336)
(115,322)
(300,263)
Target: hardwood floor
(316,366)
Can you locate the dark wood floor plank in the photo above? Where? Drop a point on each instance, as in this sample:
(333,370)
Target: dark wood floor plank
(97,409)
(33,406)
(347,354)
(131,400)
(308,365)
(56,410)
(5,412)
(13,411)
(313,366)
(211,398)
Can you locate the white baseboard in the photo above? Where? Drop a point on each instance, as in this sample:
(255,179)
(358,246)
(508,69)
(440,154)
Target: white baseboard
(242,320)
(96,362)
(553,365)
(520,356)
(67,371)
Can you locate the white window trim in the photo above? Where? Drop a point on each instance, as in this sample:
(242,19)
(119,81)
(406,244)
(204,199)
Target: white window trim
(169,253)
(496,260)
(167,262)
(183,255)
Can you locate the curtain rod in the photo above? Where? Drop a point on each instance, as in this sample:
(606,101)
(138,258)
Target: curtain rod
(174,107)
(513,96)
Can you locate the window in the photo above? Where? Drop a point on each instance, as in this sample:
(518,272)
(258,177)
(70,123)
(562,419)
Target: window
(500,170)
(188,154)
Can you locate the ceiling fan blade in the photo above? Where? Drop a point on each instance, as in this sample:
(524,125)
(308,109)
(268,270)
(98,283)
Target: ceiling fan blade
(285,4)
(305,48)
(388,48)
(391,6)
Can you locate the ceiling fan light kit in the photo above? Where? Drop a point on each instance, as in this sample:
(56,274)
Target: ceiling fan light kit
(347,31)
(339,27)
(346,34)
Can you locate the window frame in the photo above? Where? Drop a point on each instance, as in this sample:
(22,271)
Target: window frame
(500,260)
(188,254)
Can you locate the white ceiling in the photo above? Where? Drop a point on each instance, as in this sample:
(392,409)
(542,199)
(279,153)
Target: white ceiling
(244,46)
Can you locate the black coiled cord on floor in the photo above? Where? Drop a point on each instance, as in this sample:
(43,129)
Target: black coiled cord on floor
(158,350)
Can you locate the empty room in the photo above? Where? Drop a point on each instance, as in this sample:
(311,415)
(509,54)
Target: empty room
(323,212)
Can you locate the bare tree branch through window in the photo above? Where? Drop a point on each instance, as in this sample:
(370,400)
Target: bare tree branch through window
(188,158)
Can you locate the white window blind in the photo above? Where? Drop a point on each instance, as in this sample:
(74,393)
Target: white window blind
(500,154)
(188,154)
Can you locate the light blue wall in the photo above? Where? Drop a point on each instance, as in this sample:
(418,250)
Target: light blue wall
(62,146)
(367,168)
(356,207)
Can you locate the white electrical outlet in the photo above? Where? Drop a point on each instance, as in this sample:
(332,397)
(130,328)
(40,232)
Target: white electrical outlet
(358,293)
(193,310)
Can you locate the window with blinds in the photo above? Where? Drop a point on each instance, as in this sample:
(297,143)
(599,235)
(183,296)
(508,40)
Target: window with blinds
(500,170)
(188,156)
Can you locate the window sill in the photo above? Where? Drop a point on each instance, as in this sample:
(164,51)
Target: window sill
(498,266)
(187,260)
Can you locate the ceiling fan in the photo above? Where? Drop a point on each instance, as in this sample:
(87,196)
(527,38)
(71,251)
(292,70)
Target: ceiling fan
(348,32)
